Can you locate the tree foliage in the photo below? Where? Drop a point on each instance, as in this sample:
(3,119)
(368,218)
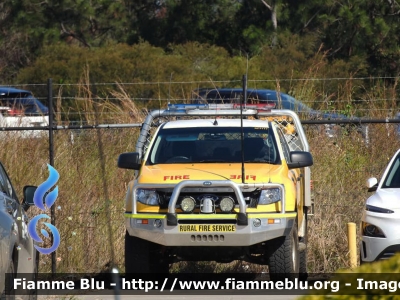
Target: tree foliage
(345,30)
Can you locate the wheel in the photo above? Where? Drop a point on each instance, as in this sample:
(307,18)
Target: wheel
(283,259)
(9,292)
(303,274)
(142,256)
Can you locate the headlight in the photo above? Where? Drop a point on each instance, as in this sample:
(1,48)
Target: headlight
(269,196)
(188,204)
(148,197)
(226,204)
(372,230)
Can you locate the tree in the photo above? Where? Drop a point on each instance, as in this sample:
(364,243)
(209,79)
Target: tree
(28,25)
(206,21)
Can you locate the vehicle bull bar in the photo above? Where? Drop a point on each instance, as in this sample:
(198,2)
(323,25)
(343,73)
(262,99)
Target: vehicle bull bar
(207,185)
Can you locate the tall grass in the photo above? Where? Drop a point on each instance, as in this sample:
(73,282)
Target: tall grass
(341,166)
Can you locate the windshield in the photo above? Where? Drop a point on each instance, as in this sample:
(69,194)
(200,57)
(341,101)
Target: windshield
(33,103)
(213,145)
(392,179)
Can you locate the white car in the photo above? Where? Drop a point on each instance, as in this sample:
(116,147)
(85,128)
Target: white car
(380,226)
(10,118)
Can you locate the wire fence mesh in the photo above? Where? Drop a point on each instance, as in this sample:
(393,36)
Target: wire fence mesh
(367,98)
(343,159)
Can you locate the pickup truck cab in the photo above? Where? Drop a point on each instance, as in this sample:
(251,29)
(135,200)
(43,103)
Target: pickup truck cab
(21,102)
(209,187)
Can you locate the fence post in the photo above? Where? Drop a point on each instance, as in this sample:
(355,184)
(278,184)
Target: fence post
(352,241)
(51,158)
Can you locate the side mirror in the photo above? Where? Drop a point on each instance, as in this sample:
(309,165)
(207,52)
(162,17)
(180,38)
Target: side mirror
(372,184)
(129,160)
(300,159)
(29,192)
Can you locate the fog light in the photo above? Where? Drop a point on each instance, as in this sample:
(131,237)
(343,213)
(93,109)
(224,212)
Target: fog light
(256,222)
(227,204)
(372,230)
(157,223)
(188,204)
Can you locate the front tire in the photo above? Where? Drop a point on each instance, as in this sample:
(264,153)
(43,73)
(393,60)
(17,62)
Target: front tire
(142,256)
(284,256)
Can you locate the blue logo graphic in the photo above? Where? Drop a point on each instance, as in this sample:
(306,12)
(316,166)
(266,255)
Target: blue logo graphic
(49,201)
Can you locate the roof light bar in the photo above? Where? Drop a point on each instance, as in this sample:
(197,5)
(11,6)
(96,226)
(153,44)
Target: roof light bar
(228,106)
(264,107)
(184,107)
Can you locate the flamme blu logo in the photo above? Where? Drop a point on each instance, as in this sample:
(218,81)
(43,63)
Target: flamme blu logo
(51,197)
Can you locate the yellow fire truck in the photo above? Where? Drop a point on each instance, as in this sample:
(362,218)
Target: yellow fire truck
(215,182)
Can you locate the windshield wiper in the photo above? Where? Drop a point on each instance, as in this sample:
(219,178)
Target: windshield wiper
(213,161)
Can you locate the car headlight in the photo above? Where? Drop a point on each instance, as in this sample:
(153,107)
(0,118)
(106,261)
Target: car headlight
(372,230)
(269,196)
(148,197)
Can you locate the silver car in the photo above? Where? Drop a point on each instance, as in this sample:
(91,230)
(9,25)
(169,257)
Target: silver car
(380,226)
(17,252)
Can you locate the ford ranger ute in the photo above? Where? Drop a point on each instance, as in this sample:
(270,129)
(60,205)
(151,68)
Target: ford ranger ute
(218,183)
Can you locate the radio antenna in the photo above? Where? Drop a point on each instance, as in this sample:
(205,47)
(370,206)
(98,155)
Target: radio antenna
(241,123)
(169,90)
(245,84)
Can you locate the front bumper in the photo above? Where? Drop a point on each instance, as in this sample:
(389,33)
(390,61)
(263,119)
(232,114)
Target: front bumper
(239,229)
(221,232)
(373,249)
(377,248)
